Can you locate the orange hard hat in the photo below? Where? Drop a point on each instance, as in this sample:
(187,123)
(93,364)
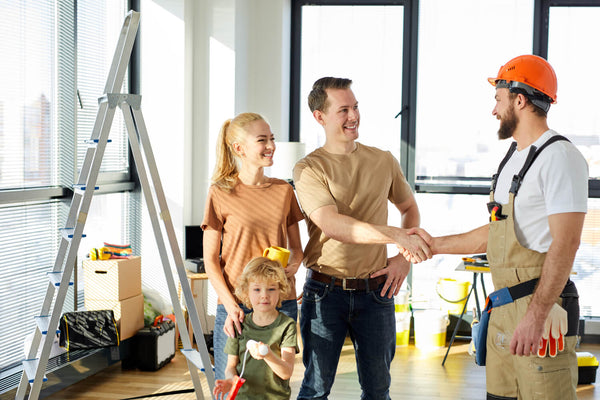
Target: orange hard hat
(533,71)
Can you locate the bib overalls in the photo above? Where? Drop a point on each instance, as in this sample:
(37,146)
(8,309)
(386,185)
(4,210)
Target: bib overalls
(523,377)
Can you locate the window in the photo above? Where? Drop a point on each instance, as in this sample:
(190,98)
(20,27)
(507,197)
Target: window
(338,41)
(575,115)
(40,111)
(456,141)
(451,149)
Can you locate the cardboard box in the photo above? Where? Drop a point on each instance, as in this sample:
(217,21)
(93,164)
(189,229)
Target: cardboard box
(114,279)
(129,313)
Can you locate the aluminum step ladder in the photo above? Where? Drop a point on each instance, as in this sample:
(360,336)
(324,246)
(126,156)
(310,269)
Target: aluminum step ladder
(60,276)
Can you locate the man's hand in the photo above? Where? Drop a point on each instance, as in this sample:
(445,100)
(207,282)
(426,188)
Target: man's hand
(397,269)
(415,245)
(527,335)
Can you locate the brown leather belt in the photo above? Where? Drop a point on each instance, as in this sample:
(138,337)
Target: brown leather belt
(347,283)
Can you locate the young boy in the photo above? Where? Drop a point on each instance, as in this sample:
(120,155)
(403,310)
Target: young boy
(267,376)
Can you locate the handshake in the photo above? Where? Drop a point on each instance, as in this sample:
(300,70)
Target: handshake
(415,244)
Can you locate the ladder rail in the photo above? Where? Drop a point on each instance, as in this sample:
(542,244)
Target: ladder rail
(143,177)
(168,223)
(116,74)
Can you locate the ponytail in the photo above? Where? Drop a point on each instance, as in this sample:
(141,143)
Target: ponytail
(232,131)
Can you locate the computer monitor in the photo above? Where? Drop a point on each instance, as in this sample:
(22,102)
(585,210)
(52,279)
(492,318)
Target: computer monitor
(193,242)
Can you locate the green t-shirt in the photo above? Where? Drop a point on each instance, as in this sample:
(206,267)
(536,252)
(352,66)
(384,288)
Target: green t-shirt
(261,381)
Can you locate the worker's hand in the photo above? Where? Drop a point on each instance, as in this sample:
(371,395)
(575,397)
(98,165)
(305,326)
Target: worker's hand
(555,329)
(222,387)
(234,320)
(397,269)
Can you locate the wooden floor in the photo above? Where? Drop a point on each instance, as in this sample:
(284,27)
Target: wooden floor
(415,375)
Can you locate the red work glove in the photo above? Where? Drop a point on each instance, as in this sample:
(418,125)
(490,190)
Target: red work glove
(555,329)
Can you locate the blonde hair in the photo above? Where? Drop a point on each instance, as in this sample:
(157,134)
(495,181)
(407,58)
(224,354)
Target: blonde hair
(232,131)
(261,269)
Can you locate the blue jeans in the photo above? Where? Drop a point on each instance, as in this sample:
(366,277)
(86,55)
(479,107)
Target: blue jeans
(288,307)
(328,313)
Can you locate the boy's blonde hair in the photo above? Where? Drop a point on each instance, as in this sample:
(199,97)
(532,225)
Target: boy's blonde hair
(261,269)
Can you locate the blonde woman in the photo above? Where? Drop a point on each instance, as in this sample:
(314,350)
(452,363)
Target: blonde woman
(246,212)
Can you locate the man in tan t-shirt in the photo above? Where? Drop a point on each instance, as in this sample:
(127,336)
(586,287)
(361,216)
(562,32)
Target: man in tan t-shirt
(344,188)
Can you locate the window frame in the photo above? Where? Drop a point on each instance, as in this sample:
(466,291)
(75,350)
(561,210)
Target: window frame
(407,156)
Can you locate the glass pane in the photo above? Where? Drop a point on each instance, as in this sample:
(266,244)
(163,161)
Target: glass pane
(28,245)
(27,97)
(443,214)
(98,27)
(362,43)
(461,43)
(572,41)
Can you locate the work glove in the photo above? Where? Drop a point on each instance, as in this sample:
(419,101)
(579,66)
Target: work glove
(555,329)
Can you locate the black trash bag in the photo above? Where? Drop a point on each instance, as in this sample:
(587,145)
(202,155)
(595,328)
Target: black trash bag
(88,330)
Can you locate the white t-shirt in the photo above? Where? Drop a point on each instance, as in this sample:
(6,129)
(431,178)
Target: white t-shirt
(557,182)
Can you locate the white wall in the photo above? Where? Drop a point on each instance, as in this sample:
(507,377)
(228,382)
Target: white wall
(204,61)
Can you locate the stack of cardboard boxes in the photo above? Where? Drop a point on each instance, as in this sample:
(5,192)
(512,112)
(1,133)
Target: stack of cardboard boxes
(116,284)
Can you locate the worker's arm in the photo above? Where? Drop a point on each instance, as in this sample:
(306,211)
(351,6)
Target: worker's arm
(565,229)
(295,248)
(398,267)
(211,242)
(474,241)
(346,229)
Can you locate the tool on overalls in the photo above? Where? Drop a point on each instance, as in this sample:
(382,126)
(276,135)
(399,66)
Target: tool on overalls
(555,329)
(495,210)
(238,381)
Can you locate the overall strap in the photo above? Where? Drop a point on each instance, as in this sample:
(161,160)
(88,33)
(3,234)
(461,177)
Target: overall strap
(534,152)
(511,150)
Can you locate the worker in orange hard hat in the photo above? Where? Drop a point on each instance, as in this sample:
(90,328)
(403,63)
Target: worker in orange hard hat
(526,336)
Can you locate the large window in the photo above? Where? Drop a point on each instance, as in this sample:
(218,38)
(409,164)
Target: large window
(55,58)
(572,32)
(338,41)
(447,141)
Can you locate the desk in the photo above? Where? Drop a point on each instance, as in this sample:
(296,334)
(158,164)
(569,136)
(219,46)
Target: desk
(199,286)
(478,271)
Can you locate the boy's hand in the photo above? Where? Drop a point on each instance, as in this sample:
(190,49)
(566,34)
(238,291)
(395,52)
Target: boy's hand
(258,350)
(222,387)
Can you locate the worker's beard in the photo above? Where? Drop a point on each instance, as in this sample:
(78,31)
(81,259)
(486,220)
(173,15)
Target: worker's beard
(508,124)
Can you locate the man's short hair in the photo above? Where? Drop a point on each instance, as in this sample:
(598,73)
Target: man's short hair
(317,98)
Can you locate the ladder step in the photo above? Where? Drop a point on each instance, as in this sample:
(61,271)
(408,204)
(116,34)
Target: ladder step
(69,232)
(194,357)
(82,186)
(43,321)
(94,142)
(56,277)
(30,367)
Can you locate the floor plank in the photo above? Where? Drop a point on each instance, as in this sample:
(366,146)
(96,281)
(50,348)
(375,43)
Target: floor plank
(416,375)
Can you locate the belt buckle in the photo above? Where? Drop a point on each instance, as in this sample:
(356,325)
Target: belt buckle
(344,284)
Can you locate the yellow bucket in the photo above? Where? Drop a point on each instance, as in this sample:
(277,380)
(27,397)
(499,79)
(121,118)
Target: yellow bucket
(402,328)
(430,329)
(454,293)
(401,301)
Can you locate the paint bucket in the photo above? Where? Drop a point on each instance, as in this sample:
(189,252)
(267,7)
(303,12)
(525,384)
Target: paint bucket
(430,329)
(454,294)
(401,301)
(402,328)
